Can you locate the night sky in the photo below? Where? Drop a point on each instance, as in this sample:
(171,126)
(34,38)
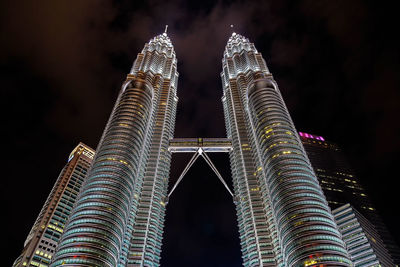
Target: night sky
(62,65)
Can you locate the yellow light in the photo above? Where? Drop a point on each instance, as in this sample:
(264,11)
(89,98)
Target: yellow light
(310,262)
(274,156)
(298,223)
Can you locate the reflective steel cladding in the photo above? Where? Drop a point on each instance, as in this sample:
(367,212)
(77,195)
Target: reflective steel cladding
(119,216)
(283,216)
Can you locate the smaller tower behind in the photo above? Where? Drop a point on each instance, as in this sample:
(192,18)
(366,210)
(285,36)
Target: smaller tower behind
(49,225)
(362,240)
(341,185)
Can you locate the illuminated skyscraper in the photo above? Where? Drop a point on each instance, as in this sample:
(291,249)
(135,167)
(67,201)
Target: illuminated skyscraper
(363,242)
(283,216)
(341,185)
(118,218)
(42,240)
(284,219)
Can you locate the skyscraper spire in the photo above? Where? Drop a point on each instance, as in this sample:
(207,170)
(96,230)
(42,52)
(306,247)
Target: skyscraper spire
(166,28)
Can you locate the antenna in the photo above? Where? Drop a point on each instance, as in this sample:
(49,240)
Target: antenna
(166,28)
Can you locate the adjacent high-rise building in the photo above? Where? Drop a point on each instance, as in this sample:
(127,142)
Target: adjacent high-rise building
(119,216)
(45,234)
(284,218)
(341,185)
(363,242)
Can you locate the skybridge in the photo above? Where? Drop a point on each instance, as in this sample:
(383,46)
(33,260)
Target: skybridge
(199,147)
(192,145)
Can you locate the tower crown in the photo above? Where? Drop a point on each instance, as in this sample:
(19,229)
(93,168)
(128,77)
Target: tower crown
(158,57)
(241,56)
(161,39)
(237,43)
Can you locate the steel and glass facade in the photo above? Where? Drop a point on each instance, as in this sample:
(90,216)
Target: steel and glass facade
(118,218)
(363,241)
(341,185)
(283,216)
(45,234)
(159,62)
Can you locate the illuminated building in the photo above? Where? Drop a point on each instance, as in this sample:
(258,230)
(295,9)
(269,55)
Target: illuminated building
(118,218)
(283,216)
(363,242)
(43,238)
(341,185)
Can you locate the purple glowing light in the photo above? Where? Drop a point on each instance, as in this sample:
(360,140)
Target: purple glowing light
(310,136)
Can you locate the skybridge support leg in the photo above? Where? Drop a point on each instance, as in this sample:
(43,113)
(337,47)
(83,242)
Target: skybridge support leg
(208,160)
(192,160)
(199,152)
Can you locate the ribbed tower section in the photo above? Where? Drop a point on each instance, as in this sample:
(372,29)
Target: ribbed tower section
(258,236)
(112,204)
(282,199)
(157,61)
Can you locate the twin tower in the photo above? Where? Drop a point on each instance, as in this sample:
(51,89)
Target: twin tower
(282,214)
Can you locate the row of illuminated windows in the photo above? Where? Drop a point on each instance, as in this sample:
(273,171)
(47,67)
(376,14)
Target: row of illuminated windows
(301,210)
(105,202)
(328,259)
(80,260)
(317,249)
(112,153)
(103,180)
(101,223)
(100,211)
(97,242)
(94,232)
(279,195)
(312,238)
(291,178)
